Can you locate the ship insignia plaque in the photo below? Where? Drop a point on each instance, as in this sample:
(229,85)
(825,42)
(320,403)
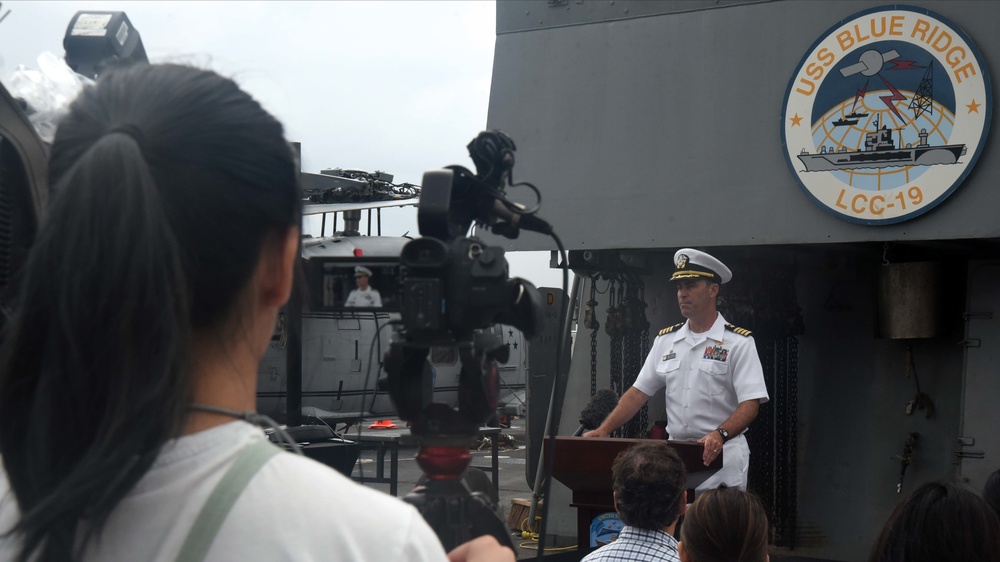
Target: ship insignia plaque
(886,115)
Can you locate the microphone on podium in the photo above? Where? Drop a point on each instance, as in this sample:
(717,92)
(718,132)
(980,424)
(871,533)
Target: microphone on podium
(600,407)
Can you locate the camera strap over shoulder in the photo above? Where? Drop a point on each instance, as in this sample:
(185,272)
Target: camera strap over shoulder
(223,497)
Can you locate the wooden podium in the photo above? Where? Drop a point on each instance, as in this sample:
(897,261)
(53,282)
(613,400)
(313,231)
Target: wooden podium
(584,466)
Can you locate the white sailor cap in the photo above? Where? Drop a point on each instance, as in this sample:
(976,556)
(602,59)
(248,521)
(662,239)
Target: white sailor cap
(362,270)
(695,264)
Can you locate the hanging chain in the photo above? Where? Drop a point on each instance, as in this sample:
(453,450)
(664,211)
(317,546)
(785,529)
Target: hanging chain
(782,442)
(592,323)
(611,329)
(793,423)
(768,464)
(759,301)
(625,346)
(630,353)
(614,330)
(634,350)
(643,343)
(761,436)
(628,331)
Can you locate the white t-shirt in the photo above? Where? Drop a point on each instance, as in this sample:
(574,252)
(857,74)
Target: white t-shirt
(294,509)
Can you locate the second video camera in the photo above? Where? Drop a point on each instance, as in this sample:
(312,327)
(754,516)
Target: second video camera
(453,286)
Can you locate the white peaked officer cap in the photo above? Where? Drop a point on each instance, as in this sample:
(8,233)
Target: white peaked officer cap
(362,270)
(695,264)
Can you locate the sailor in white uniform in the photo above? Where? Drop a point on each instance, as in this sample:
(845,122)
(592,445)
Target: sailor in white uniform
(711,372)
(364,295)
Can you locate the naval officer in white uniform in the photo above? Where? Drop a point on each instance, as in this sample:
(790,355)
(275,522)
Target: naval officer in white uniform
(711,372)
(365,295)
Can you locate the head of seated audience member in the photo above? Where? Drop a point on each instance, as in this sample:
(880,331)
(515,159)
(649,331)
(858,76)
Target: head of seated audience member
(650,496)
(649,486)
(939,521)
(724,525)
(991,491)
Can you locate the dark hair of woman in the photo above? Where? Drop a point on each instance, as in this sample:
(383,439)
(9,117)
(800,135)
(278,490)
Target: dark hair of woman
(724,525)
(991,491)
(939,521)
(168,181)
(649,480)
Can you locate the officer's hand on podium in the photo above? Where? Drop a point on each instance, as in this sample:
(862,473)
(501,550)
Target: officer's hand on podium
(713,447)
(595,433)
(483,549)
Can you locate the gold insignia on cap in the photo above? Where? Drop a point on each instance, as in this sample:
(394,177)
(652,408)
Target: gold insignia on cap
(682,261)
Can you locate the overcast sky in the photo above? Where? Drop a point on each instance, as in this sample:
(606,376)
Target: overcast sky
(374,85)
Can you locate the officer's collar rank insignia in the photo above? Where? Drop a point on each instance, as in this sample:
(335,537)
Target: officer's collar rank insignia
(716,353)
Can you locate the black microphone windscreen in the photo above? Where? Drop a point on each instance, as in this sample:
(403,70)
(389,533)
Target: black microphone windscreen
(600,406)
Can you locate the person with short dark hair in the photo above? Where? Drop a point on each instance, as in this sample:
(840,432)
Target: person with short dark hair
(991,491)
(128,372)
(650,495)
(724,525)
(939,521)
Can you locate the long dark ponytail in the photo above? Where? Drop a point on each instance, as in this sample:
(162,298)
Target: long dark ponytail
(167,181)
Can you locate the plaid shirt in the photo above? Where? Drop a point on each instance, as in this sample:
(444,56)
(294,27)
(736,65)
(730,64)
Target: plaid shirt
(637,545)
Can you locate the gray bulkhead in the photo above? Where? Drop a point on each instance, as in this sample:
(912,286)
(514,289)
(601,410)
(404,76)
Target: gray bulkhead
(650,126)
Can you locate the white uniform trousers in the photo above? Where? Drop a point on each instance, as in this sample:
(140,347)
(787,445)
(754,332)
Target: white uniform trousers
(735,463)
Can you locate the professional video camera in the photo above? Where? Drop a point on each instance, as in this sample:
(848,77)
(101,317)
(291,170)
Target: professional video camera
(453,286)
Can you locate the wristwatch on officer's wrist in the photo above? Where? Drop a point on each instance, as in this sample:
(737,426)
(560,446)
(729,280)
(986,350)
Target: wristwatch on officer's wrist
(723,433)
